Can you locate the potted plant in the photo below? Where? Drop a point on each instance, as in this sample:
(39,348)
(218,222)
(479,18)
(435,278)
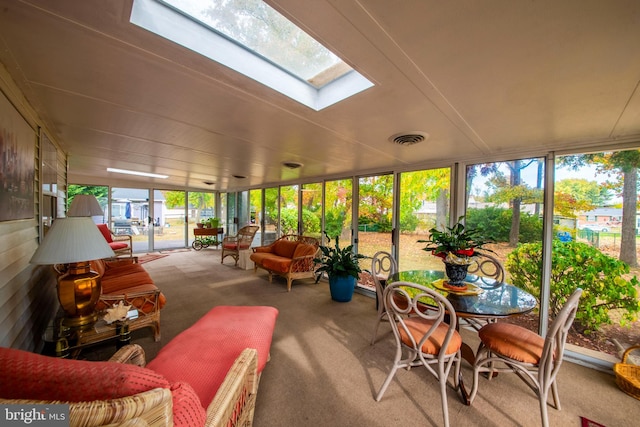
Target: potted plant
(341,265)
(457,246)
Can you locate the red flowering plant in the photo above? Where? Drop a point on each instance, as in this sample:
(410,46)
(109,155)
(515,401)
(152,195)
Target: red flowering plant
(456,244)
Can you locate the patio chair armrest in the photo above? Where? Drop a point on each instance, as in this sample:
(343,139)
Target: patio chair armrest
(122,238)
(131,354)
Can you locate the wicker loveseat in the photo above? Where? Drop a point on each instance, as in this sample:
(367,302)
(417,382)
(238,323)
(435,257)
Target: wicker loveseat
(124,279)
(290,256)
(207,375)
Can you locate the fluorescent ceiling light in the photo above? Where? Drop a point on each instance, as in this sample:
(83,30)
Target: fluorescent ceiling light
(128,172)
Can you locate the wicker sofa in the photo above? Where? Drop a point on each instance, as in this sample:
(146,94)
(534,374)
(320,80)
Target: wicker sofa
(291,257)
(124,279)
(207,375)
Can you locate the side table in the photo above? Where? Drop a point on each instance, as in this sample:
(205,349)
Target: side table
(62,341)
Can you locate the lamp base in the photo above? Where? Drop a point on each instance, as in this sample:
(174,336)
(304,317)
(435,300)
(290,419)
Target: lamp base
(78,292)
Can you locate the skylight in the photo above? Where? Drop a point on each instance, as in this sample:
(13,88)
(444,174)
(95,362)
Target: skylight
(254,39)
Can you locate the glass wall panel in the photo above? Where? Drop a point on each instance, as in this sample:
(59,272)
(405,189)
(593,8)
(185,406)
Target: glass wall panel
(338,209)
(101,193)
(130,213)
(202,206)
(375,213)
(596,247)
(289,209)
(504,201)
(223,212)
(244,209)
(256,214)
(311,209)
(271,215)
(424,203)
(169,226)
(231,226)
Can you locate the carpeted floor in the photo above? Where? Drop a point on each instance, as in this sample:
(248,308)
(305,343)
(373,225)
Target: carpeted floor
(324,372)
(150,257)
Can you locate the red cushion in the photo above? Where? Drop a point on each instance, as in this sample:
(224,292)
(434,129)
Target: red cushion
(202,354)
(25,375)
(105,232)
(118,245)
(187,410)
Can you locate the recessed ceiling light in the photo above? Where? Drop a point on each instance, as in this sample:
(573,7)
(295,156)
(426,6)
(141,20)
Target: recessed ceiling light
(239,176)
(409,138)
(292,165)
(128,172)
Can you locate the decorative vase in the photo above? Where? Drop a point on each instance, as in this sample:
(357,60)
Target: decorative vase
(456,274)
(342,288)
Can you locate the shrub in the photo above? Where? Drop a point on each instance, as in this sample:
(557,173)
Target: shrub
(578,265)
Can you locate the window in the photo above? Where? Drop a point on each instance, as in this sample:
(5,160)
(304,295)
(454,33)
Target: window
(254,39)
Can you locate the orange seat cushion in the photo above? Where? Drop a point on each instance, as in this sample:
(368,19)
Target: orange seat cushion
(512,341)
(276,263)
(418,327)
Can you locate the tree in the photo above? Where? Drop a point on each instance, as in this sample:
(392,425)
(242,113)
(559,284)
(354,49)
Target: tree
(512,191)
(622,168)
(100,192)
(197,201)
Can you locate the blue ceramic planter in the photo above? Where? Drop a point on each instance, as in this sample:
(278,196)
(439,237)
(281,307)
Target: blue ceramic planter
(342,288)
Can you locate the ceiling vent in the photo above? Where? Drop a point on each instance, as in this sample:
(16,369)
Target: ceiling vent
(239,176)
(409,138)
(208,182)
(292,165)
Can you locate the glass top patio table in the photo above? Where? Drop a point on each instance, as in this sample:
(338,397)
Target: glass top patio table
(494,300)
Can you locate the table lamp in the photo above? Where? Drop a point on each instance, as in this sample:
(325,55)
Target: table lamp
(85,205)
(69,246)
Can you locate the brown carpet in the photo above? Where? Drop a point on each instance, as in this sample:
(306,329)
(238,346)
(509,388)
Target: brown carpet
(149,257)
(324,372)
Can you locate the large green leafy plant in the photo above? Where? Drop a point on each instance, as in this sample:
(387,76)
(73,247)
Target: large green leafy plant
(578,265)
(457,240)
(336,261)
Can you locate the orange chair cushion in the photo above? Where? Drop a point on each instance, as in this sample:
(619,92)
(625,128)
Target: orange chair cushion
(418,327)
(202,354)
(512,341)
(285,248)
(105,232)
(304,249)
(276,263)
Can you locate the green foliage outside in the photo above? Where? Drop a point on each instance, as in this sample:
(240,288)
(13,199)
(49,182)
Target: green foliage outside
(334,222)
(578,265)
(495,224)
(337,261)
(100,192)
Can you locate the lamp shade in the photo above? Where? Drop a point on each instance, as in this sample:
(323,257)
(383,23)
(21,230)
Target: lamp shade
(72,239)
(85,205)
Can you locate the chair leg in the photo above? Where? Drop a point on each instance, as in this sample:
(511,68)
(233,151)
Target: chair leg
(375,328)
(442,378)
(387,381)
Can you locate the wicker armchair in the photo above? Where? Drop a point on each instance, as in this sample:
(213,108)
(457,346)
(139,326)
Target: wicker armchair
(232,245)
(121,244)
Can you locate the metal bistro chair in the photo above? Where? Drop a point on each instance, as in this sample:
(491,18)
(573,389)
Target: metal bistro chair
(383,265)
(534,359)
(484,266)
(424,336)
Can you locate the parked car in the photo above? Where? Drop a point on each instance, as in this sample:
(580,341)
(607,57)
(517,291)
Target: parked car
(596,227)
